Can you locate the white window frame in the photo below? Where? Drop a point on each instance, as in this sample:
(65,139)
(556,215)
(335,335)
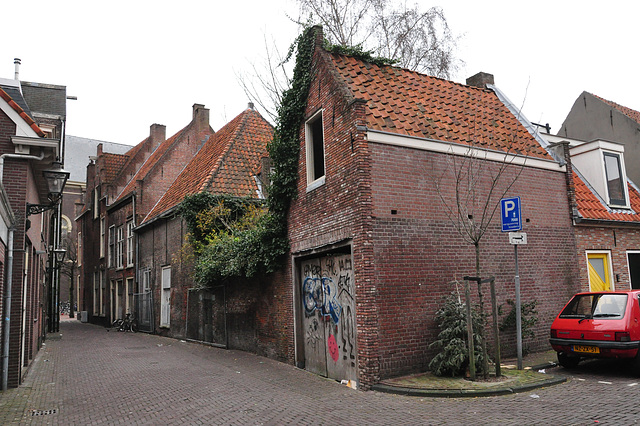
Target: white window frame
(79,249)
(314,181)
(103,230)
(119,246)
(129,243)
(165,297)
(112,246)
(623,179)
(96,202)
(629,267)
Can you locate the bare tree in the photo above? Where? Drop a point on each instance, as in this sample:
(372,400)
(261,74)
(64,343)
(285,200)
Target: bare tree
(265,83)
(478,186)
(69,268)
(418,40)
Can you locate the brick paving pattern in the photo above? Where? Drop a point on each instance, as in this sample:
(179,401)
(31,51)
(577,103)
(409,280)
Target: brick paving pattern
(94,377)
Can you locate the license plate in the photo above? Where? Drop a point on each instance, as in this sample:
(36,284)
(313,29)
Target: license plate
(586,349)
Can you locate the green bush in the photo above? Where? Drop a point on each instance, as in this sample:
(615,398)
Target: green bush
(453,358)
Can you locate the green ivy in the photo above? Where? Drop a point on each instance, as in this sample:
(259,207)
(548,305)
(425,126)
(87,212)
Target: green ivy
(359,53)
(228,237)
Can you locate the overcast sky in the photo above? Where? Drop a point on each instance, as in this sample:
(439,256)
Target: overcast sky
(134,63)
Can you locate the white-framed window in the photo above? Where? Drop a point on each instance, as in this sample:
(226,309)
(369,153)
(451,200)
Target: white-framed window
(165,297)
(633,263)
(615,179)
(96,294)
(79,250)
(103,230)
(146,281)
(314,143)
(119,246)
(103,294)
(112,246)
(65,227)
(96,202)
(130,243)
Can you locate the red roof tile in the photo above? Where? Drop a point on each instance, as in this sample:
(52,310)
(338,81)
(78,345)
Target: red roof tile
(591,207)
(632,114)
(413,104)
(225,164)
(17,108)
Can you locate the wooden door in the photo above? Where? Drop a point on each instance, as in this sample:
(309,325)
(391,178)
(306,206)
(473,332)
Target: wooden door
(328,306)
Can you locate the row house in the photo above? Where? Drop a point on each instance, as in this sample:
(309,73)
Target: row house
(121,190)
(231,162)
(32,118)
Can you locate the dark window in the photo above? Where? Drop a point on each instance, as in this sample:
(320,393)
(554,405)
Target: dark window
(615,181)
(608,305)
(315,149)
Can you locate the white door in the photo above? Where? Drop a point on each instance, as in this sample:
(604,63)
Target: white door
(165,297)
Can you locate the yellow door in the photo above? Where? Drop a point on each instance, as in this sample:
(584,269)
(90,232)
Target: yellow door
(599,275)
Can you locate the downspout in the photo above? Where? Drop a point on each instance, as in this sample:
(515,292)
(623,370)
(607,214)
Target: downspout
(9,275)
(7,312)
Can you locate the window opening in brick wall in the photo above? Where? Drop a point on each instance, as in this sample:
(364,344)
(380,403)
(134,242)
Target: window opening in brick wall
(315,150)
(112,246)
(102,232)
(165,302)
(119,246)
(130,243)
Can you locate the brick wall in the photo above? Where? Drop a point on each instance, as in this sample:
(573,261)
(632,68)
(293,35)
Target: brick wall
(615,240)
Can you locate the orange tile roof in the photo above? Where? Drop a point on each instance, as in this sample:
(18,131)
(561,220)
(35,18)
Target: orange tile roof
(632,114)
(592,207)
(17,108)
(225,164)
(409,103)
(113,164)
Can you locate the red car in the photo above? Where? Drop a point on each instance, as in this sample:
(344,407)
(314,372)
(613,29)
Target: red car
(598,325)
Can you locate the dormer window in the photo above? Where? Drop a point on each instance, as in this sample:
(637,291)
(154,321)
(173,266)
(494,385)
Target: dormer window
(601,163)
(615,180)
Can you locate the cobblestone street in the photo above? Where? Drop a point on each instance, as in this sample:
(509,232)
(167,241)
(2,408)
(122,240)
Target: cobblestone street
(92,376)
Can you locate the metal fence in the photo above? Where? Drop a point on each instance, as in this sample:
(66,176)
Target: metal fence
(144,311)
(207,316)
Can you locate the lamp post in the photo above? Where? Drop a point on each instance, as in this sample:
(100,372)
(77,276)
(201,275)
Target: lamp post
(56,178)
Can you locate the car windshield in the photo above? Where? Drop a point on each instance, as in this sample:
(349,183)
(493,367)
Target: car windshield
(605,305)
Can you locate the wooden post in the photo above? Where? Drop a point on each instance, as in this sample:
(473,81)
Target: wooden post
(496,330)
(472,358)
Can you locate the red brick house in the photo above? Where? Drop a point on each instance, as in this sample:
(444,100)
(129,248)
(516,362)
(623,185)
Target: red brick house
(373,250)
(121,190)
(30,142)
(232,315)
(606,215)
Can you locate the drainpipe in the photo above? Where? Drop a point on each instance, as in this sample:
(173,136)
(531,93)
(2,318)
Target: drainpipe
(7,311)
(9,274)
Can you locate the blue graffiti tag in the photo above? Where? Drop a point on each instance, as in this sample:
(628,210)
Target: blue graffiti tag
(320,294)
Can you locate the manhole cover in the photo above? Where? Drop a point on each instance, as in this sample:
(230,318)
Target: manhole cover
(44,412)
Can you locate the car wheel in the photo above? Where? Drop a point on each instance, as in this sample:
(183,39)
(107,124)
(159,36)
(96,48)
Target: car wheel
(568,361)
(635,364)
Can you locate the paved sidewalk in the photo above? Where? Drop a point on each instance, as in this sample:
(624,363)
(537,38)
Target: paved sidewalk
(90,376)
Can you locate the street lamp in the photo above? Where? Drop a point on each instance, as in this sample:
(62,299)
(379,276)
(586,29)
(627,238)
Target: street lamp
(59,254)
(56,178)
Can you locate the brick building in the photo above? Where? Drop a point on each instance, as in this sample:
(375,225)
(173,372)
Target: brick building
(232,315)
(373,245)
(606,214)
(121,190)
(32,120)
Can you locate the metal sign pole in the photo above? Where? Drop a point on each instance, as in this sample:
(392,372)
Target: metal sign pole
(518,312)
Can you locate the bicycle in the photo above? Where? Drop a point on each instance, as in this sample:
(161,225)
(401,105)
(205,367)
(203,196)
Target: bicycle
(128,323)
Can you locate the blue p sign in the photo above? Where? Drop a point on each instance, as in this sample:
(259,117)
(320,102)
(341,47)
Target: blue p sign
(511,219)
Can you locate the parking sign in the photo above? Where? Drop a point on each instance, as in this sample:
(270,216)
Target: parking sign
(511,219)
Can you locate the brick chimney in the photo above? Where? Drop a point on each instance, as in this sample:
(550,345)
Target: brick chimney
(157,134)
(201,118)
(480,80)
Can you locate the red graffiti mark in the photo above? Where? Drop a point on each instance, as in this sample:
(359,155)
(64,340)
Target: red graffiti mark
(333,348)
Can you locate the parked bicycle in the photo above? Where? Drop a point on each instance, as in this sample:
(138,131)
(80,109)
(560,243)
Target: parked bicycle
(128,323)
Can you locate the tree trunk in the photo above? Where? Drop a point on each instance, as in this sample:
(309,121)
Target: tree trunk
(481,331)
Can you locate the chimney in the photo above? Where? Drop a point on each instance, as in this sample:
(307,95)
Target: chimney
(17,62)
(201,118)
(251,105)
(480,80)
(157,134)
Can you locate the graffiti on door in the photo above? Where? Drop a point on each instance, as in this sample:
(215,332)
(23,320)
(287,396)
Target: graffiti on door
(328,299)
